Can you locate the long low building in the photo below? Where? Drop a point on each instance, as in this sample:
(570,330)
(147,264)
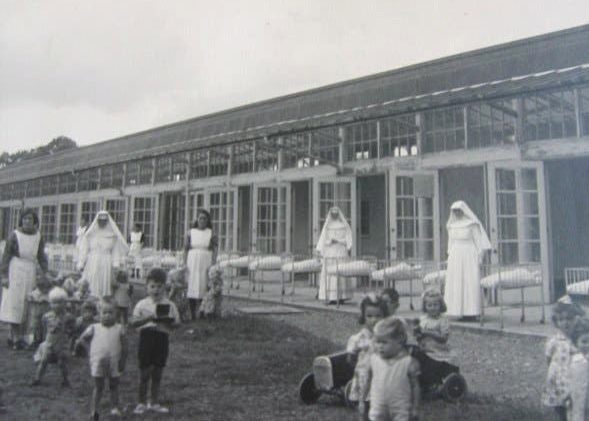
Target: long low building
(504,128)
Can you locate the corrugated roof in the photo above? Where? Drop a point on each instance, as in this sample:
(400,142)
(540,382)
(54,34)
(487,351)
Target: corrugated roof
(500,70)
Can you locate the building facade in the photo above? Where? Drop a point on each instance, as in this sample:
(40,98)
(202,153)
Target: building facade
(505,129)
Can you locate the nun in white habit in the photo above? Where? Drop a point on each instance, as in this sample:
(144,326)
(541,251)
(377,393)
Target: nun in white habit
(467,242)
(102,248)
(334,242)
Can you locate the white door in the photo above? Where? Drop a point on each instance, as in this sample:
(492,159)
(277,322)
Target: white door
(334,191)
(517,209)
(414,215)
(271,218)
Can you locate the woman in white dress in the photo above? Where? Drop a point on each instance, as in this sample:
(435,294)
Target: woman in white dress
(102,248)
(467,243)
(334,243)
(201,253)
(24,249)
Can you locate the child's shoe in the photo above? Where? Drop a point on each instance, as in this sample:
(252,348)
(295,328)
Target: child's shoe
(94,416)
(140,409)
(156,407)
(115,412)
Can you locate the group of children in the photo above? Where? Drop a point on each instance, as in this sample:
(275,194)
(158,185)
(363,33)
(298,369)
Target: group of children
(386,375)
(567,354)
(388,371)
(59,334)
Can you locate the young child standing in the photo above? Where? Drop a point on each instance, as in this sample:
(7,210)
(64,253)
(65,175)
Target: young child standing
(38,306)
(123,291)
(155,316)
(559,350)
(394,385)
(372,309)
(58,325)
(108,355)
(177,287)
(211,304)
(85,319)
(578,410)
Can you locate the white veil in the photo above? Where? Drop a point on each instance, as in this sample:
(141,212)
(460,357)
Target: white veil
(329,220)
(120,249)
(480,235)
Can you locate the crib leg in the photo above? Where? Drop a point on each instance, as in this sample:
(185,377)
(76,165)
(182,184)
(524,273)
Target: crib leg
(482,318)
(411,295)
(501,305)
(523,317)
(543,318)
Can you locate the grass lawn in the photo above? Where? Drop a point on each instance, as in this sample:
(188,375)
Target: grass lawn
(248,368)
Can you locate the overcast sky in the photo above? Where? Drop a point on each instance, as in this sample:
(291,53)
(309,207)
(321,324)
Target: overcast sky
(96,70)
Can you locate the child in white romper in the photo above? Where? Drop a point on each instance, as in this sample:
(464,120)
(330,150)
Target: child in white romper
(108,355)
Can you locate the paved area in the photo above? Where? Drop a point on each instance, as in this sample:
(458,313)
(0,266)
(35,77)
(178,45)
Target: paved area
(304,296)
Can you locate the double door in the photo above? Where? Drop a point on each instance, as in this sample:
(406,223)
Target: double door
(271,216)
(413,215)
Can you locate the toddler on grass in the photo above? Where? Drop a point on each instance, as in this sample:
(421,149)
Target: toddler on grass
(393,373)
(108,355)
(123,291)
(154,331)
(38,306)
(372,309)
(559,351)
(578,407)
(85,319)
(58,326)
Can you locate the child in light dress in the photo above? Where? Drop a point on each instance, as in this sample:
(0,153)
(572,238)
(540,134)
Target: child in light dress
(559,351)
(372,309)
(108,356)
(177,289)
(38,306)
(210,307)
(578,406)
(123,292)
(432,333)
(393,374)
(58,326)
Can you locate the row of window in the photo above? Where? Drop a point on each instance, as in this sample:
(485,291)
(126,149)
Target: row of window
(544,115)
(59,222)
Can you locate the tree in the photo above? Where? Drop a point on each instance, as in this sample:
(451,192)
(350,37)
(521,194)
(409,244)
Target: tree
(58,144)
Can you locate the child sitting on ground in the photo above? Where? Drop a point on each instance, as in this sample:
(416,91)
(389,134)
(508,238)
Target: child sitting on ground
(58,325)
(211,304)
(86,318)
(578,408)
(372,309)
(38,306)
(155,316)
(393,374)
(123,291)
(177,288)
(108,356)
(559,350)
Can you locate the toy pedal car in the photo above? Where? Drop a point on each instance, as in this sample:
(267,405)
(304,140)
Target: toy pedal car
(439,378)
(332,375)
